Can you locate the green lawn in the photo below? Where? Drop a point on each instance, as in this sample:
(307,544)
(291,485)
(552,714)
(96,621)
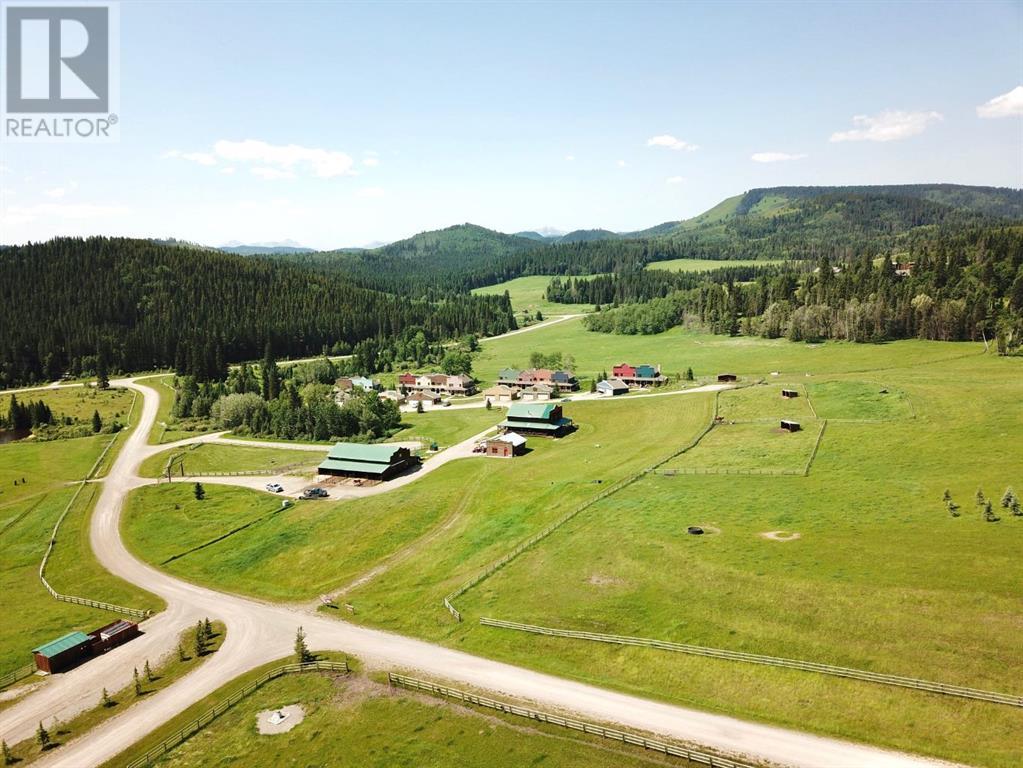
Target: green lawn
(211,457)
(763,403)
(527,294)
(859,401)
(750,447)
(353,721)
(79,403)
(448,427)
(706,265)
(165,671)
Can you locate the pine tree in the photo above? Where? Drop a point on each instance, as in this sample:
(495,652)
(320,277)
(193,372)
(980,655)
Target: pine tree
(199,492)
(489,405)
(1007,498)
(8,755)
(200,640)
(689,374)
(105,700)
(593,385)
(419,406)
(97,422)
(947,496)
(102,376)
(207,628)
(979,497)
(989,514)
(302,654)
(137,681)
(148,672)
(42,736)
(182,656)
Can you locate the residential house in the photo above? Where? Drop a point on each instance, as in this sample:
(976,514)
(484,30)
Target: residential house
(501,393)
(537,392)
(638,375)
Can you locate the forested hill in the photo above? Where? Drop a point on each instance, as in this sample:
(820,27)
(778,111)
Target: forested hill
(80,305)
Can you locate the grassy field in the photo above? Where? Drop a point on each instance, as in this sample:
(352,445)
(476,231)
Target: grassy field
(448,427)
(527,295)
(210,457)
(31,616)
(165,671)
(706,265)
(881,576)
(677,349)
(79,403)
(166,429)
(354,721)
(318,546)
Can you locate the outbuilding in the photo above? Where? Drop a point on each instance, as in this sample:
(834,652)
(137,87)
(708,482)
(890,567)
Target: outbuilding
(112,635)
(373,462)
(790,426)
(612,387)
(788,394)
(500,393)
(505,446)
(545,419)
(537,392)
(63,653)
(726,377)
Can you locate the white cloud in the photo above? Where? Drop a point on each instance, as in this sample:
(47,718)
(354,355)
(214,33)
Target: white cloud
(621,164)
(201,158)
(56,192)
(21,214)
(1006,105)
(371,161)
(371,192)
(674,180)
(890,125)
(774,157)
(228,170)
(271,173)
(288,158)
(570,158)
(669,141)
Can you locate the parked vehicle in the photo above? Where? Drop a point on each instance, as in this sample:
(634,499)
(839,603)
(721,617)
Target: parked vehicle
(275,487)
(314,493)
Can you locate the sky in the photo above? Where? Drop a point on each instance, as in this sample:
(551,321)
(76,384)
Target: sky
(347,124)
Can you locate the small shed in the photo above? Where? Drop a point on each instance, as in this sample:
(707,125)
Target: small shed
(63,653)
(790,426)
(505,446)
(112,635)
(788,394)
(612,387)
(725,377)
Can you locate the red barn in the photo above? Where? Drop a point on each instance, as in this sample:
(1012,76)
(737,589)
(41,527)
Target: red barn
(623,371)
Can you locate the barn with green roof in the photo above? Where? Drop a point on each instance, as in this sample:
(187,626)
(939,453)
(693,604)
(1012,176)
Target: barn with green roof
(545,419)
(63,653)
(372,462)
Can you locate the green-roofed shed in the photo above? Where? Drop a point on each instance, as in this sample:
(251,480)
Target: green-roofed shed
(375,462)
(536,419)
(62,653)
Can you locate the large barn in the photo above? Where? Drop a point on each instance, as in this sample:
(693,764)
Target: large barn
(544,419)
(374,462)
(63,653)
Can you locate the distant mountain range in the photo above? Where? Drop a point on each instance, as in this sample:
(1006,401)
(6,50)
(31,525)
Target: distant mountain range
(278,248)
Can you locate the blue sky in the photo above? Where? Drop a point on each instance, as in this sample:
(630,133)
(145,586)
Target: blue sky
(341,124)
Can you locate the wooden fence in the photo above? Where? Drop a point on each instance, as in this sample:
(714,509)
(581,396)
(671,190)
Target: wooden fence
(217,710)
(753,658)
(624,737)
(134,612)
(19,674)
(537,537)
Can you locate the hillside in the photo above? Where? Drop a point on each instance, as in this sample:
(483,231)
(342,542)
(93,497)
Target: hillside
(459,243)
(137,305)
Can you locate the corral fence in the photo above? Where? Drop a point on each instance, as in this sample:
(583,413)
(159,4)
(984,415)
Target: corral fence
(708,471)
(18,674)
(593,729)
(133,612)
(753,658)
(537,537)
(217,710)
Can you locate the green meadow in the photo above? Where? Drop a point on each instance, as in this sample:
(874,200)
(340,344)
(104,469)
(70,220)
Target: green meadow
(204,458)
(706,265)
(878,574)
(361,723)
(79,403)
(528,295)
(447,427)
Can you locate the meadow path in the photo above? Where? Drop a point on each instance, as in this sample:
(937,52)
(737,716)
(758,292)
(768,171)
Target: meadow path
(259,632)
